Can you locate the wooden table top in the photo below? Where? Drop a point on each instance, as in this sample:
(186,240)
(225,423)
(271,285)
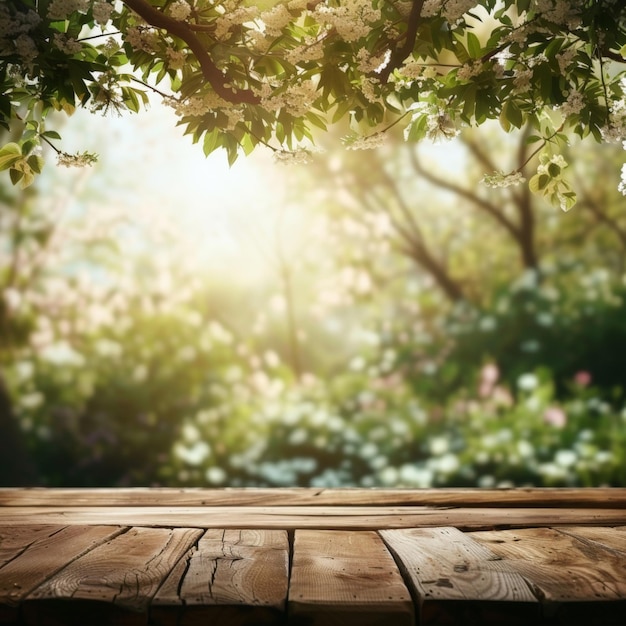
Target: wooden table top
(312,556)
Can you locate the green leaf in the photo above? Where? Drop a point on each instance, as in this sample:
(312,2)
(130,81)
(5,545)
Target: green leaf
(473,45)
(513,113)
(538,183)
(35,163)
(9,154)
(212,141)
(51,134)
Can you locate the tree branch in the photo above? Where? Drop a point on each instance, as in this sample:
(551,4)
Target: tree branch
(482,204)
(210,71)
(401,53)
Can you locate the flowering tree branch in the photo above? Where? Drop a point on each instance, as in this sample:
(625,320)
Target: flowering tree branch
(211,72)
(244,74)
(401,53)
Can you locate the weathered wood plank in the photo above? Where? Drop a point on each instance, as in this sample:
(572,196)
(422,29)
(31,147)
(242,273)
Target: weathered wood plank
(285,518)
(458,580)
(345,578)
(232,577)
(610,538)
(562,570)
(14,540)
(114,582)
(44,552)
(545,497)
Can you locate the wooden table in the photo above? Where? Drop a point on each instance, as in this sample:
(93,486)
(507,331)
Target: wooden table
(310,556)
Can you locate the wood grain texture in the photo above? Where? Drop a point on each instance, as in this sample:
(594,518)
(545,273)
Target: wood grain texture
(37,554)
(335,517)
(343,578)
(230,577)
(560,567)
(452,576)
(47,555)
(612,498)
(14,540)
(112,580)
(610,538)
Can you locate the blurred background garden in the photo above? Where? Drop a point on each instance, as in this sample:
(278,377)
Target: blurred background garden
(374,318)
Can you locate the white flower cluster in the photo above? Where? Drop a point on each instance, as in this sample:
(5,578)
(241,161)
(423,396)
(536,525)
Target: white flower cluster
(411,69)
(352,20)
(12,25)
(369,63)
(502,179)
(574,104)
(197,105)
(102,11)
(469,70)
(310,50)
(559,12)
(615,130)
(622,185)
(296,99)
(522,80)
(143,38)
(14,38)
(441,126)
(236,17)
(451,10)
(566,58)
(175,58)
(293,157)
(368,89)
(275,19)
(259,42)
(234,117)
(180,10)
(365,143)
(76,160)
(62,9)
(66,44)
(26,48)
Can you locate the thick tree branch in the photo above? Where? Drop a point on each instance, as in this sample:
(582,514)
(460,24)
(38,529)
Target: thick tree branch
(210,71)
(402,52)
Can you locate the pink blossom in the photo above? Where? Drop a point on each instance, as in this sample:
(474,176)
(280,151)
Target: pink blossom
(582,378)
(555,416)
(489,375)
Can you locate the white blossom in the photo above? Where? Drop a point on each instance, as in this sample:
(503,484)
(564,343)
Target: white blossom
(276,19)
(566,58)
(469,70)
(352,19)
(366,143)
(66,44)
(574,104)
(62,9)
(76,160)
(175,58)
(180,10)
(102,12)
(622,185)
(502,179)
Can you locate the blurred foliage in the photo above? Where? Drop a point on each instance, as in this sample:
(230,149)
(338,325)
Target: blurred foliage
(410,328)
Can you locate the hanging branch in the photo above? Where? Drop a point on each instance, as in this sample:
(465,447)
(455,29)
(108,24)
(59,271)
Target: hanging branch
(210,71)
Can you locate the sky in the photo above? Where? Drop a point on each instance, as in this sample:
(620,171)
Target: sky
(145,162)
